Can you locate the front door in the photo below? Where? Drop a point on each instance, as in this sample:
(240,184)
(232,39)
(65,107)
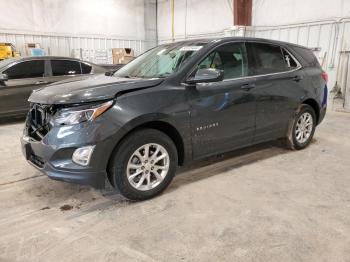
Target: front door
(223,113)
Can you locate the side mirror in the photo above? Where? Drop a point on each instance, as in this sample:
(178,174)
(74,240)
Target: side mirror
(3,77)
(206,76)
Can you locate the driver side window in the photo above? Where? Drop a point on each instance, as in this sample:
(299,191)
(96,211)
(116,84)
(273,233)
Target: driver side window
(231,58)
(26,69)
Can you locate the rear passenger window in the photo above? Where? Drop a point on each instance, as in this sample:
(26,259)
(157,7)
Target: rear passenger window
(231,58)
(85,68)
(28,69)
(267,59)
(65,67)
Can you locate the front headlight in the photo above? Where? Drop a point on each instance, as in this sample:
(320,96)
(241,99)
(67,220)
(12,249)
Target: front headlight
(71,116)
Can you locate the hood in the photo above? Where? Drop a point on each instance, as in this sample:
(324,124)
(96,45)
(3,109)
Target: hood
(88,89)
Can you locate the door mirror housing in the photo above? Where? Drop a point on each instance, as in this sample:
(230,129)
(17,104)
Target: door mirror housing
(206,75)
(3,77)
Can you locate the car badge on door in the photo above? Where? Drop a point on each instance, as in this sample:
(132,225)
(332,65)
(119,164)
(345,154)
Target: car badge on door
(202,128)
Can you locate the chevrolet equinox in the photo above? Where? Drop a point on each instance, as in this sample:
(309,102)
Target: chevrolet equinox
(175,103)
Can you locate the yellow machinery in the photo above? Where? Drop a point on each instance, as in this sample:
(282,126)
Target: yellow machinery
(8,50)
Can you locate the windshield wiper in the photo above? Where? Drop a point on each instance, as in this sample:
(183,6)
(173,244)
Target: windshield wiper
(163,75)
(125,76)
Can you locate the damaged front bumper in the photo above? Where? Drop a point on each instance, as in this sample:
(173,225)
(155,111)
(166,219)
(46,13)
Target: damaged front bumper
(52,151)
(57,164)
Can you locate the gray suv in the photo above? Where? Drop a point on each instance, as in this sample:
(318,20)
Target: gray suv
(176,103)
(20,76)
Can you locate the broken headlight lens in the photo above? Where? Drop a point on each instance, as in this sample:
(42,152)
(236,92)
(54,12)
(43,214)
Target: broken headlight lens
(71,116)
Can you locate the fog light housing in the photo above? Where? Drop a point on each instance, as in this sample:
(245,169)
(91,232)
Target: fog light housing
(82,155)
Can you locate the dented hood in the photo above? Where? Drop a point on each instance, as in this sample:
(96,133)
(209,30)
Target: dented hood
(88,89)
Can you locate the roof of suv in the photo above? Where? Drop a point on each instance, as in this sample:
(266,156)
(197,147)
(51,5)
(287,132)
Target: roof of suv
(235,38)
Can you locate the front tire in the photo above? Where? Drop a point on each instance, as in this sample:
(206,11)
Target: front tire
(144,164)
(302,128)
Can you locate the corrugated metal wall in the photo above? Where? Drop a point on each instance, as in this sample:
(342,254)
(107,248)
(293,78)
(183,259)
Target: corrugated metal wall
(63,45)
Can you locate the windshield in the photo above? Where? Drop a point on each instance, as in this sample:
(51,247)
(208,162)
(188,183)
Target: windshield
(160,61)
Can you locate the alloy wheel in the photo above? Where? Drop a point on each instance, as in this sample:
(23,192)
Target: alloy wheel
(148,166)
(304,126)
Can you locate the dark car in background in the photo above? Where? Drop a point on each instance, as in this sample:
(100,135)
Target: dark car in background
(174,104)
(20,76)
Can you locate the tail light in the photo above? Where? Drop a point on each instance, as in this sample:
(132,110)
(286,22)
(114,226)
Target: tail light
(325,76)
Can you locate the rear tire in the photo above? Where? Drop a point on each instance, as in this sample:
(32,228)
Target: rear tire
(135,169)
(302,128)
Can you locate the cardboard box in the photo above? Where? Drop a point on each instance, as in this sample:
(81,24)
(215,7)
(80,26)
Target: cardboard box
(122,55)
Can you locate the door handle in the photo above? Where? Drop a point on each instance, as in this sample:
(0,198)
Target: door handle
(297,78)
(40,82)
(247,87)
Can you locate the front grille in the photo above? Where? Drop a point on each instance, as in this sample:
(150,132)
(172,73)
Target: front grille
(37,115)
(38,124)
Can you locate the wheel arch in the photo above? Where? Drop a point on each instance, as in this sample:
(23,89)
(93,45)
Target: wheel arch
(153,122)
(170,131)
(315,106)
(160,125)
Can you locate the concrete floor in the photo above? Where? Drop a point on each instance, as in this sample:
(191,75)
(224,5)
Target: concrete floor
(259,204)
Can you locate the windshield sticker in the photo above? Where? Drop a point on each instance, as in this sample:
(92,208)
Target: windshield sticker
(191,48)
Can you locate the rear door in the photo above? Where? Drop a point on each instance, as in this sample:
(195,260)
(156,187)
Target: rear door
(62,69)
(278,88)
(23,78)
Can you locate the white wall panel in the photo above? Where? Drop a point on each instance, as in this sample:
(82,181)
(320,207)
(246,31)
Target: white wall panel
(94,17)
(193,18)
(62,25)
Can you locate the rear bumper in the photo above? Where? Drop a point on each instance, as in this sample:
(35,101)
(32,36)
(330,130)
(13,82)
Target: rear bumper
(322,114)
(323,108)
